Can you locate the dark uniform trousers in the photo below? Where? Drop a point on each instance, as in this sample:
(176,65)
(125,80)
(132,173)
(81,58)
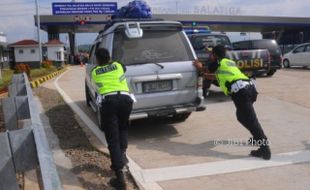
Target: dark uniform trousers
(246,115)
(115,112)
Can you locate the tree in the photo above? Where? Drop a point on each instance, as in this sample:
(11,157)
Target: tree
(1,60)
(1,51)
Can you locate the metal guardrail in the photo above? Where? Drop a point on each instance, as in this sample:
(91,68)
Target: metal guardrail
(24,145)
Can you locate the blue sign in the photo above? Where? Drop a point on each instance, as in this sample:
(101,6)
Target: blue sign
(84,8)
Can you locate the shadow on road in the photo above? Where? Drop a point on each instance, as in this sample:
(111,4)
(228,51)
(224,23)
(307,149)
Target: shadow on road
(159,134)
(216,97)
(297,69)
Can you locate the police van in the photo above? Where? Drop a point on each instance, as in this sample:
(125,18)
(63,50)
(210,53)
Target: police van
(158,56)
(251,62)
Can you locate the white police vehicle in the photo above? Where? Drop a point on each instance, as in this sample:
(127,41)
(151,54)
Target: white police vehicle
(158,57)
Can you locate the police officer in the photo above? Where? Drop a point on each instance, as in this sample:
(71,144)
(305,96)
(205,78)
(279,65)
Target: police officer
(116,106)
(243,93)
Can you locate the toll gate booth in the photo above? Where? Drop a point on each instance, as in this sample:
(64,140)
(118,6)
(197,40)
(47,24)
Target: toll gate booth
(286,30)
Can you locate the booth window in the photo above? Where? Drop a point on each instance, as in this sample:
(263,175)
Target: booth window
(58,55)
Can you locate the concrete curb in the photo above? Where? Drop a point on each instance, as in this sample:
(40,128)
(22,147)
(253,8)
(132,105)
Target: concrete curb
(36,83)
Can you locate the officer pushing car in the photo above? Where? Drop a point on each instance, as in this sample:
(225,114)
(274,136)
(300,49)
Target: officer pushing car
(115,104)
(243,93)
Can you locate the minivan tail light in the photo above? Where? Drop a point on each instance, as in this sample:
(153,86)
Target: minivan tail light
(200,82)
(200,86)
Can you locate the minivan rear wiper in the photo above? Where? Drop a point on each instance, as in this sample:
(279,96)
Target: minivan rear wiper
(159,65)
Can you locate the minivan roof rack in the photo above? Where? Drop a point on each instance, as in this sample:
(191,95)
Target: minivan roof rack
(118,20)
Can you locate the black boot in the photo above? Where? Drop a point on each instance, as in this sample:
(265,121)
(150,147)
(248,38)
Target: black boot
(263,152)
(124,158)
(119,182)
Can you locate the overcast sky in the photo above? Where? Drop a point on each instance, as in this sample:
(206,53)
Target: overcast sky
(16,16)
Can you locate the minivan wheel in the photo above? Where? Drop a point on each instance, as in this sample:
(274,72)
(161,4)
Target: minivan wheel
(271,72)
(99,118)
(181,117)
(87,95)
(286,63)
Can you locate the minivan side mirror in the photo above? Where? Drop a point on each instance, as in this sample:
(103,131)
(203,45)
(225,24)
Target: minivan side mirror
(133,30)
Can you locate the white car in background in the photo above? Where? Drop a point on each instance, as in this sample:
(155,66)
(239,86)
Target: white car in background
(299,56)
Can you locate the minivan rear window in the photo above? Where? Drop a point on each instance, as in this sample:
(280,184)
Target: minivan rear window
(153,47)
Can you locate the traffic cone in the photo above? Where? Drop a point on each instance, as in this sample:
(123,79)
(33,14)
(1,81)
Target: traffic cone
(81,64)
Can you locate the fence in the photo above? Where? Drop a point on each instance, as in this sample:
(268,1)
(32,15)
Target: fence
(24,145)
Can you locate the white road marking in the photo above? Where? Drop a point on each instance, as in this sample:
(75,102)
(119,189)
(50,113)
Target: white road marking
(138,173)
(148,178)
(224,167)
(135,170)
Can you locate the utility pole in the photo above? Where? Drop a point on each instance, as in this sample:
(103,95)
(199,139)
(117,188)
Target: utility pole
(176,7)
(75,47)
(38,31)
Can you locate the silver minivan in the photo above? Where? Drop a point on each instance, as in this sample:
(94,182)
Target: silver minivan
(158,57)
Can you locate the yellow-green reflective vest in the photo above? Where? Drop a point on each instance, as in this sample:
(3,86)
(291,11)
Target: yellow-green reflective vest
(228,72)
(110,78)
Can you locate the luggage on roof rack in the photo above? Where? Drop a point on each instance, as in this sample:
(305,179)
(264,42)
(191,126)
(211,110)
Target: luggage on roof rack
(134,9)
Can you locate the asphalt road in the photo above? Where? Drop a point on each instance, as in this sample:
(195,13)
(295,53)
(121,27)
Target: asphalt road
(208,151)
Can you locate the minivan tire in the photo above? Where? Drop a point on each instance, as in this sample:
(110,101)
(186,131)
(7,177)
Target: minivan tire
(87,95)
(271,72)
(99,117)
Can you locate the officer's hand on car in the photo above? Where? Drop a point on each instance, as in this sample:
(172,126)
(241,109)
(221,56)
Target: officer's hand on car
(204,72)
(198,65)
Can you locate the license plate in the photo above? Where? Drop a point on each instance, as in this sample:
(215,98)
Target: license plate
(157,86)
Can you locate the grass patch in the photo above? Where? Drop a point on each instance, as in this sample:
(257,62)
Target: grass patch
(6,77)
(35,74)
